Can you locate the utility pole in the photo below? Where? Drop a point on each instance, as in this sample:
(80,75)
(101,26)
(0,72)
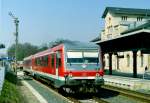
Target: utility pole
(16,21)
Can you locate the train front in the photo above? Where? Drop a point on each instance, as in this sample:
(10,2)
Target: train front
(83,68)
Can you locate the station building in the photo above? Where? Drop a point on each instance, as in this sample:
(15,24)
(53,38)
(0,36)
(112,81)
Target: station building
(118,22)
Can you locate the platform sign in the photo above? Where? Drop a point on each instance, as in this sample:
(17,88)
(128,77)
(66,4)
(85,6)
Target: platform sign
(7,58)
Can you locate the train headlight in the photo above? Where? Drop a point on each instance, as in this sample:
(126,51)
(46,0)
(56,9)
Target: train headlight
(100,73)
(66,75)
(70,75)
(97,74)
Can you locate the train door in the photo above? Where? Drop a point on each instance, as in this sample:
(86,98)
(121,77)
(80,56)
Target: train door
(53,64)
(58,62)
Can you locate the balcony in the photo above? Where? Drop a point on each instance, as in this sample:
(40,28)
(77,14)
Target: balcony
(132,24)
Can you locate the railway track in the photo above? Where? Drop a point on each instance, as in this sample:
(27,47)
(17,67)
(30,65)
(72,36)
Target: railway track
(70,98)
(128,93)
(86,98)
(107,94)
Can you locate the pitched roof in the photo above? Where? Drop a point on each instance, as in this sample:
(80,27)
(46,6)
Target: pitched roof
(118,10)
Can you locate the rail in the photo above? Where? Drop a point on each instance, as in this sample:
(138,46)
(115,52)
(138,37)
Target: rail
(129,93)
(71,98)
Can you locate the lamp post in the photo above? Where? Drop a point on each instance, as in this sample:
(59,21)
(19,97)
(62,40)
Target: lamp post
(16,21)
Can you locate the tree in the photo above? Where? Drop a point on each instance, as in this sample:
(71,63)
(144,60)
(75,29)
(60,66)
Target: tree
(27,49)
(43,47)
(2,46)
(57,42)
(24,50)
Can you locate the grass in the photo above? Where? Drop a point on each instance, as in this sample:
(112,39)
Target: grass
(10,92)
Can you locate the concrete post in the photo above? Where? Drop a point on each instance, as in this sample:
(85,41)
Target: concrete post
(102,59)
(134,64)
(110,63)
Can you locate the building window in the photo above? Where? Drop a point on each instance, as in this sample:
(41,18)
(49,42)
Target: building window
(116,30)
(110,29)
(124,18)
(139,18)
(128,60)
(142,58)
(109,36)
(109,21)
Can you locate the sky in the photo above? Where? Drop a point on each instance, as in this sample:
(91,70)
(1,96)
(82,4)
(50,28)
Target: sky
(43,21)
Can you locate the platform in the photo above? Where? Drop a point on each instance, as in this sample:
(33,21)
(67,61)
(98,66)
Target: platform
(127,82)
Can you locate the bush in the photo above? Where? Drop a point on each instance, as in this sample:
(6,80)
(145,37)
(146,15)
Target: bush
(10,92)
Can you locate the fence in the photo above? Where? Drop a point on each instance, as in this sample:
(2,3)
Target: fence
(2,75)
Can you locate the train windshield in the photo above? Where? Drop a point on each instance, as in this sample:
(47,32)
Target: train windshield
(82,57)
(83,60)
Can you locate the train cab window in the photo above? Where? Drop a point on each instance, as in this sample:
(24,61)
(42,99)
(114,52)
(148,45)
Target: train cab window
(82,57)
(90,57)
(74,57)
(52,60)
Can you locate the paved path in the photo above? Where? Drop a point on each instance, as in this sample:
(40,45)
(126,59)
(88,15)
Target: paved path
(127,82)
(2,75)
(28,95)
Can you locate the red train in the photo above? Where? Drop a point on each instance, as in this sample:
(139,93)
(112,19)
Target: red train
(70,64)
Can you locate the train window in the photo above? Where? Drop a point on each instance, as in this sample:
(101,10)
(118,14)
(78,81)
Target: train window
(45,61)
(38,61)
(90,57)
(52,60)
